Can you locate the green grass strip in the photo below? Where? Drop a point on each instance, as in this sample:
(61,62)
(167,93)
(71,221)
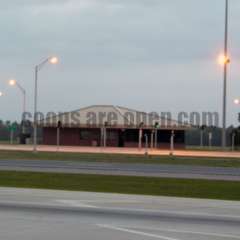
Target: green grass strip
(224,190)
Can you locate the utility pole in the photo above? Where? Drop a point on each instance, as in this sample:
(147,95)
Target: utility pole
(227,61)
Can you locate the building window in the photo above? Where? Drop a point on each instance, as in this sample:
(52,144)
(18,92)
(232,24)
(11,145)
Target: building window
(85,134)
(112,135)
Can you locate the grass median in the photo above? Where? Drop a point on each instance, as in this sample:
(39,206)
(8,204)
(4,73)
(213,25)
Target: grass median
(224,190)
(120,158)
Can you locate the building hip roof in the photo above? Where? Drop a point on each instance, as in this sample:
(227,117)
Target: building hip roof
(111,116)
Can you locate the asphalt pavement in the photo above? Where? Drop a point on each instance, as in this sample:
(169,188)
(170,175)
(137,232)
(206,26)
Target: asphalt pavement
(43,214)
(153,170)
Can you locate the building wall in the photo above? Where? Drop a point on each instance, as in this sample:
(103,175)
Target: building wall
(49,136)
(68,136)
(115,137)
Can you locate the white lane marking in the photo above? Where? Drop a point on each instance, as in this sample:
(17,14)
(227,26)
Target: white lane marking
(136,232)
(190,232)
(205,234)
(74,203)
(107,201)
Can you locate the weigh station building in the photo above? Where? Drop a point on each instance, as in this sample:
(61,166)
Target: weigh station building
(111,126)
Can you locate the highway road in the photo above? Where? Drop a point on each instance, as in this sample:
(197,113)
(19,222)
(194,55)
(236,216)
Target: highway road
(58,215)
(154,170)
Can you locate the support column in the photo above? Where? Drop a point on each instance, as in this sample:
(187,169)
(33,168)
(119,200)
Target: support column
(233,141)
(156,138)
(104,137)
(172,143)
(146,144)
(210,139)
(59,125)
(58,138)
(201,138)
(152,132)
(140,139)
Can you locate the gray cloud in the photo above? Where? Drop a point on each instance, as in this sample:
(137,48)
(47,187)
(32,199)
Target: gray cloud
(139,47)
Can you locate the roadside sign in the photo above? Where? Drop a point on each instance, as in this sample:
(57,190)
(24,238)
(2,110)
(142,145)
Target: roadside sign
(12,127)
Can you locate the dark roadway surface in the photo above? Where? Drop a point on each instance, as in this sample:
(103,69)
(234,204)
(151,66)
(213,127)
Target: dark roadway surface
(27,214)
(154,170)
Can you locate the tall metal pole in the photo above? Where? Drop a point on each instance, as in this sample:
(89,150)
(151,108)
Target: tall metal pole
(13,82)
(24,102)
(52,60)
(24,110)
(35,111)
(23,91)
(225,79)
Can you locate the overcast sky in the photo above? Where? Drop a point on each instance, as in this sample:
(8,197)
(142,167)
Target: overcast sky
(144,54)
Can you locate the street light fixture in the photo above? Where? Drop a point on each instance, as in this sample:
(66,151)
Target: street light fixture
(223,60)
(236,101)
(52,60)
(1,94)
(13,83)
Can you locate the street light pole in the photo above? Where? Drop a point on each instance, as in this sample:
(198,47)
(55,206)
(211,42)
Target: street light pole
(24,105)
(35,110)
(225,77)
(24,101)
(24,96)
(13,82)
(52,60)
